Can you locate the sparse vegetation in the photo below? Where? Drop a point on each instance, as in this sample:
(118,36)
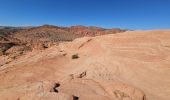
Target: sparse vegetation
(1,53)
(75,56)
(45,36)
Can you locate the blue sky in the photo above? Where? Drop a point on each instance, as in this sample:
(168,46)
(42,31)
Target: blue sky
(127,14)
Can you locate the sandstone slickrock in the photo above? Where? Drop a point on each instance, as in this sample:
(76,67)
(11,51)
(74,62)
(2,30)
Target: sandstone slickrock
(12,39)
(134,65)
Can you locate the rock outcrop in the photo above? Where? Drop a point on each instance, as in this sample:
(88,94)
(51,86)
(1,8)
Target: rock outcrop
(39,38)
(133,65)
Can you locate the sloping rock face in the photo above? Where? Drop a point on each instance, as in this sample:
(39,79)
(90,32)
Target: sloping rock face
(42,37)
(134,65)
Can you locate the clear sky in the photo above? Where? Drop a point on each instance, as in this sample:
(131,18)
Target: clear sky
(127,14)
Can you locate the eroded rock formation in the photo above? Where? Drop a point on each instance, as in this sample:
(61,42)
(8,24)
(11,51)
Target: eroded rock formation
(133,65)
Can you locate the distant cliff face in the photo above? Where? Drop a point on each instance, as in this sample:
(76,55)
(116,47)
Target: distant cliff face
(29,38)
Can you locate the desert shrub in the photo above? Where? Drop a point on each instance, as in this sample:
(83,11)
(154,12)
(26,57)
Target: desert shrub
(1,53)
(75,56)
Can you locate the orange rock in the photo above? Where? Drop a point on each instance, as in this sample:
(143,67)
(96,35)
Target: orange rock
(133,65)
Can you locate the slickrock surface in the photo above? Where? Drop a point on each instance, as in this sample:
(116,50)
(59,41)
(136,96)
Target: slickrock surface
(17,41)
(134,65)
